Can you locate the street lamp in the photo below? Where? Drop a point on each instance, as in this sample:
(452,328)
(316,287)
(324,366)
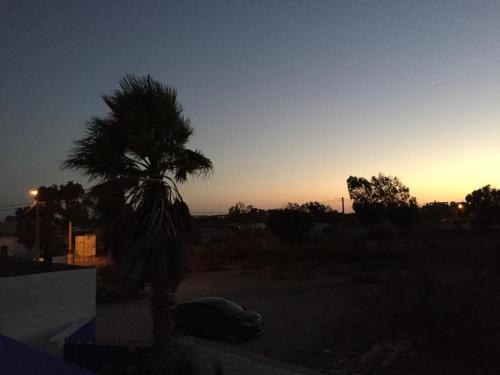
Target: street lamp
(36,204)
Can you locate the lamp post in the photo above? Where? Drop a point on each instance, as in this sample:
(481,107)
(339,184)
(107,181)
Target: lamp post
(34,194)
(461,209)
(71,251)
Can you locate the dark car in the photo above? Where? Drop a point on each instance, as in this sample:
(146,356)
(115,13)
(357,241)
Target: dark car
(217,318)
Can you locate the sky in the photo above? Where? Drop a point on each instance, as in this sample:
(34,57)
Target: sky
(287,98)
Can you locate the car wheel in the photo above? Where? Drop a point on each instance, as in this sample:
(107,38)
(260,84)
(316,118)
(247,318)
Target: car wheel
(180,331)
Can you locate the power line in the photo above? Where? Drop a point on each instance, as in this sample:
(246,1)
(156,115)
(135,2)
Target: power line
(6,209)
(333,200)
(13,205)
(210,213)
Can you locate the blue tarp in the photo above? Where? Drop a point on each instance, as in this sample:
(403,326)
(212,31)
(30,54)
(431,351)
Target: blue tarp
(19,359)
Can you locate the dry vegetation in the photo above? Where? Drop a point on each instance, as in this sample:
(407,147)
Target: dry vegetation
(435,301)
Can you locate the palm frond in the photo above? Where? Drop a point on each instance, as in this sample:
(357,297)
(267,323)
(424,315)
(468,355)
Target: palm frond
(101,152)
(191,163)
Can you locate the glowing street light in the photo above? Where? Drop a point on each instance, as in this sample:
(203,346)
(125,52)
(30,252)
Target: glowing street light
(461,206)
(36,203)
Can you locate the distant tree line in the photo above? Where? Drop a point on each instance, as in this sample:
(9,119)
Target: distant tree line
(291,222)
(241,212)
(374,201)
(294,221)
(385,198)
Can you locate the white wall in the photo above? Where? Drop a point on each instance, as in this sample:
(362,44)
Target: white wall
(36,308)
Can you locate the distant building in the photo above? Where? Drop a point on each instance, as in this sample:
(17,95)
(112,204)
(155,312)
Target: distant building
(85,247)
(8,227)
(9,246)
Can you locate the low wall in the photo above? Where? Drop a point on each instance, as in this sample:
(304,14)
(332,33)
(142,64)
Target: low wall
(35,309)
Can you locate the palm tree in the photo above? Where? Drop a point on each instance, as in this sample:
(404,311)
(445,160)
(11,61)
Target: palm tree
(139,149)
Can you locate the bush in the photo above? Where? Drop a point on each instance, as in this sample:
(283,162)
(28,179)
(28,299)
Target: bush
(290,223)
(245,249)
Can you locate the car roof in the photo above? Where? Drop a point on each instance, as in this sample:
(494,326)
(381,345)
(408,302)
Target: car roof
(212,301)
(222,305)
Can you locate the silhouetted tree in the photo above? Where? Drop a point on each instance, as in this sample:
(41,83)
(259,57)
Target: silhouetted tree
(57,206)
(436,211)
(111,215)
(484,205)
(241,212)
(238,210)
(290,223)
(382,198)
(140,149)
(50,239)
(73,205)
(318,211)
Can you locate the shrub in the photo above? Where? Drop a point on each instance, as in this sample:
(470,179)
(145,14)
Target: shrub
(290,223)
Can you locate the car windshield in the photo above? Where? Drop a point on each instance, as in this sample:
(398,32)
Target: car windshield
(228,307)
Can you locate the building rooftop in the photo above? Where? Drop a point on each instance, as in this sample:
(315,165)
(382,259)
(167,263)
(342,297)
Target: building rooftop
(14,266)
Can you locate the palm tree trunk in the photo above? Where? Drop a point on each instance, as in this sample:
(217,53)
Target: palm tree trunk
(162,302)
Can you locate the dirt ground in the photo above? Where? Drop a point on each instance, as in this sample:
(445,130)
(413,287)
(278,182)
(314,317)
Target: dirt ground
(308,319)
(410,306)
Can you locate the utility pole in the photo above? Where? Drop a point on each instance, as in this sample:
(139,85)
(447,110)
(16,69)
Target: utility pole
(37,229)
(70,241)
(343,211)
(36,203)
